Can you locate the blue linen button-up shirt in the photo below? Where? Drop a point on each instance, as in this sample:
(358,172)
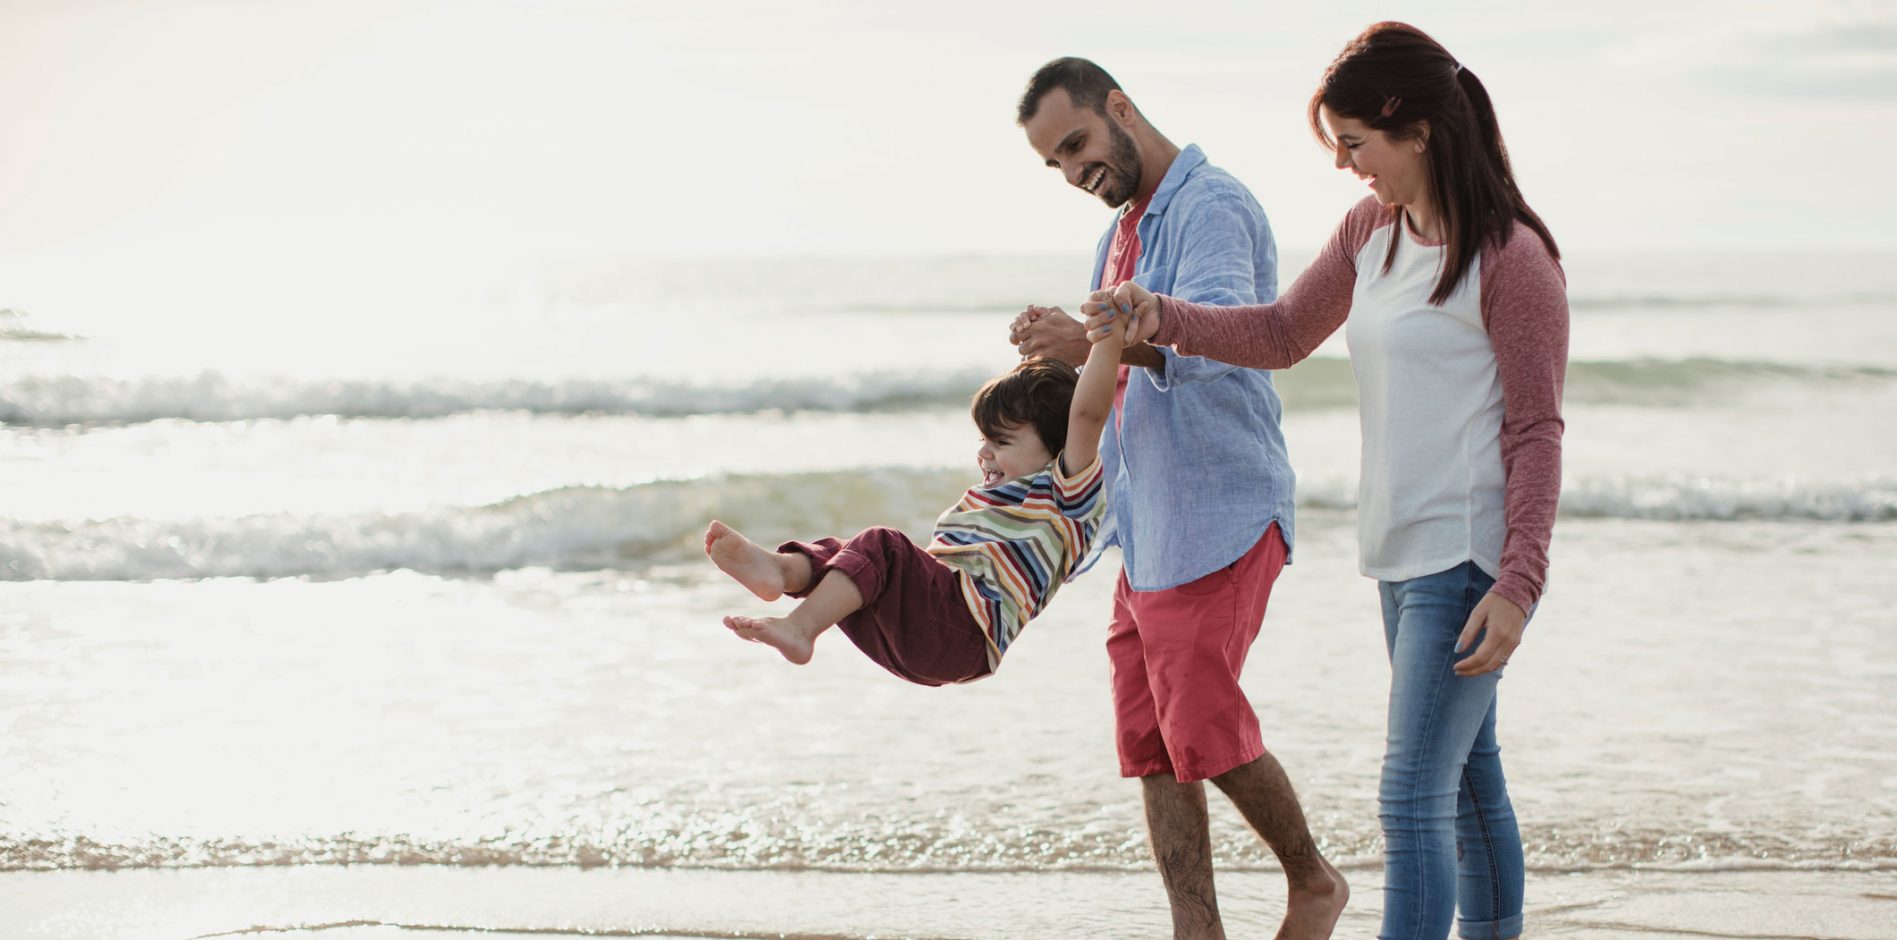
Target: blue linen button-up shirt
(1199,470)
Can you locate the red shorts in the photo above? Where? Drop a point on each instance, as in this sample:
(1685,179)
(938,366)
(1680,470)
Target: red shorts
(1176,655)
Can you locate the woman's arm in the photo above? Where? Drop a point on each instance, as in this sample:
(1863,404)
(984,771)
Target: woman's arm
(1525,307)
(1261,336)
(1266,336)
(1093,400)
(1525,310)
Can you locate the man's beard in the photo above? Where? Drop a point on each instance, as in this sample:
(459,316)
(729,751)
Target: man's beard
(1123,168)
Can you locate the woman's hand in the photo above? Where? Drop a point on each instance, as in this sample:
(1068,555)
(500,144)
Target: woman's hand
(1114,329)
(1499,622)
(1130,301)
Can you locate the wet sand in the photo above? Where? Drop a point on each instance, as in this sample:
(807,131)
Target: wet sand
(386,903)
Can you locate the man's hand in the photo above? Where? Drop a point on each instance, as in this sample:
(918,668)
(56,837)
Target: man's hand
(1499,622)
(1050,332)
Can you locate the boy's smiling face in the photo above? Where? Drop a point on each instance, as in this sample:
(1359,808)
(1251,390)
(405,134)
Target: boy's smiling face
(1015,452)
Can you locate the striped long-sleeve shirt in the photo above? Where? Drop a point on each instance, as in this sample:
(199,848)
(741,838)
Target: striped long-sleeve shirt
(1015,543)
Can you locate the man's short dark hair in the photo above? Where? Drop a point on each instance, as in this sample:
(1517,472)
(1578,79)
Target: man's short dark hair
(1038,393)
(1086,83)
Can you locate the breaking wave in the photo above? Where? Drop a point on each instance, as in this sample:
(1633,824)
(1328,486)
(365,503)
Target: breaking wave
(590,527)
(1312,385)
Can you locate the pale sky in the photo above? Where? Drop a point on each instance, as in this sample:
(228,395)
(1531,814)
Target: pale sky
(341,128)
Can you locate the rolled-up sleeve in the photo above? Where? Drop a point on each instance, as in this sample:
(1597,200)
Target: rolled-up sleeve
(1219,266)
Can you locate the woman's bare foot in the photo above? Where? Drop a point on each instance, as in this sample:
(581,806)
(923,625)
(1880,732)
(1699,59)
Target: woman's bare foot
(778,633)
(747,562)
(1311,911)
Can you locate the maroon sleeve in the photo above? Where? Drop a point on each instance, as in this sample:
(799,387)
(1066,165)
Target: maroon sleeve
(1277,335)
(1525,308)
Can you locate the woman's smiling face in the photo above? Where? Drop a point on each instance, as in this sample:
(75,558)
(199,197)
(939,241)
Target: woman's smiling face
(1395,168)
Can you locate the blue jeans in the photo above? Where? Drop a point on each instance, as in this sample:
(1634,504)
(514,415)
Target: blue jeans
(1449,832)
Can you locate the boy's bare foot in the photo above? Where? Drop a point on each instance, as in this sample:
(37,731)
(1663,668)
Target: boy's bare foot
(747,562)
(776,632)
(1311,912)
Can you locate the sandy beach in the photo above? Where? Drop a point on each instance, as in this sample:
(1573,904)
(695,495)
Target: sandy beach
(370,371)
(381,902)
(333,643)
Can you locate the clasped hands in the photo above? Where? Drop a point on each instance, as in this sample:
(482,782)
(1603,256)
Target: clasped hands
(1135,306)
(1052,332)
(1049,331)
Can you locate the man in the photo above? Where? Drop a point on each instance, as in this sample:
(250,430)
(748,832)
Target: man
(1201,493)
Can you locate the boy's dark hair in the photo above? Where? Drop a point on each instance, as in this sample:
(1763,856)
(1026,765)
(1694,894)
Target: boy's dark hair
(1086,83)
(1037,393)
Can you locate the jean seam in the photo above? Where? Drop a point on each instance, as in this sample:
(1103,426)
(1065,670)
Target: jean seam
(1470,598)
(1488,854)
(1429,724)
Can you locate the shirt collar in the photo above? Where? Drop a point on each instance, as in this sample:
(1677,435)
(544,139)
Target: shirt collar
(1182,167)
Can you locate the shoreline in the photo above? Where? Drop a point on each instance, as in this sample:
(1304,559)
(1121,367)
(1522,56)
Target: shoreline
(504,903)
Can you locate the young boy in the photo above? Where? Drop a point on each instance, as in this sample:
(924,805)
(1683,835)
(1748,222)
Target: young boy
(947,613)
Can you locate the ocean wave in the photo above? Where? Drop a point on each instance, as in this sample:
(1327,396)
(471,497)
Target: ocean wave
(1687,498)
(213,396)
(1330,383)
(1683,301)
(1316,384)
(923,845)
(572,528)
(597,528)
(1681,381)
(1695,498)
(14,326)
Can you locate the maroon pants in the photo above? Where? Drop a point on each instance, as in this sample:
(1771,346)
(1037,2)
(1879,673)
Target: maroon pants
(914,621)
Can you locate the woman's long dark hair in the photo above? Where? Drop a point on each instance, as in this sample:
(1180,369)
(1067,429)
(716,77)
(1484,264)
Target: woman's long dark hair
(1393,77)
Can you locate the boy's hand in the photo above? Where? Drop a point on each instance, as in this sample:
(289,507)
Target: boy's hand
(1136,306)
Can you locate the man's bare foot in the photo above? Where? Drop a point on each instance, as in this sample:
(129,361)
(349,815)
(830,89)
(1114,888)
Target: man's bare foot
(1312,911)
(777,633)
(747,562)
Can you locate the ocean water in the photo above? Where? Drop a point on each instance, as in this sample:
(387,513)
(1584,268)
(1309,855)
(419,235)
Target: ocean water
(413,577)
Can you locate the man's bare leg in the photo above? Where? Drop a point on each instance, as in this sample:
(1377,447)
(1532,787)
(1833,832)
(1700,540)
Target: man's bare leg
(1264,796)
(768,574)
(795,636)
(1182,846)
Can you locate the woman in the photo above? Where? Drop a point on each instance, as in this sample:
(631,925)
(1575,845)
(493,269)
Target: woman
(1456,315)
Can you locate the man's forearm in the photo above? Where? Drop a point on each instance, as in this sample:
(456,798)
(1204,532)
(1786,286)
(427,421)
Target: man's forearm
(1142,354)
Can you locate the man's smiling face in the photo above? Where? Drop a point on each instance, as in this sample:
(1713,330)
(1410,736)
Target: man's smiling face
(1092,151)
